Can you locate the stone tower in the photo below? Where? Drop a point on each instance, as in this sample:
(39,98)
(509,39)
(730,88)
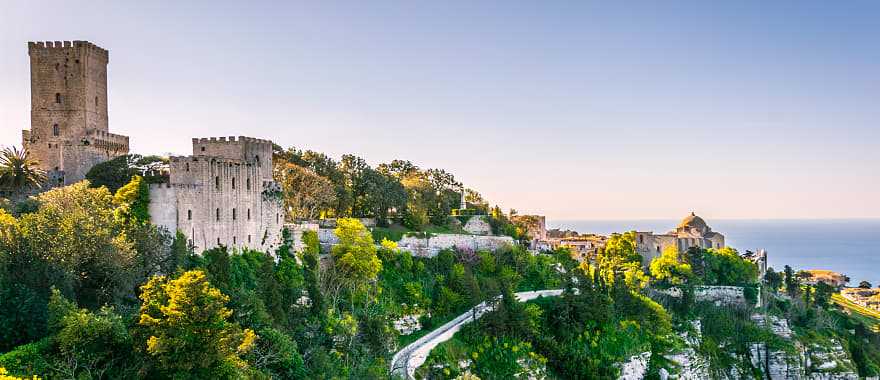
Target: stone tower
(223,194)
(69,131)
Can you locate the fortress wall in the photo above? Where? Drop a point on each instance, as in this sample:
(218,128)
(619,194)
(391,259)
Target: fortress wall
(429,247)
(222,202)
(163,206)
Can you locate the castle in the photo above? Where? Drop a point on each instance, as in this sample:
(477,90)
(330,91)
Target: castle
(69,130)
(223,194)
(691,232)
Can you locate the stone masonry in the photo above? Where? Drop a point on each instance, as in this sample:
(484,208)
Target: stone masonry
(69,129)
(223,194)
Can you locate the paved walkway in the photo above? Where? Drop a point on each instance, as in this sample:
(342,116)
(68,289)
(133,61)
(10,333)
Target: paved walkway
(405,361)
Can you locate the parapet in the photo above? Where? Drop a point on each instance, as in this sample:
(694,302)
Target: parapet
(44,46)
(230,139)
(107,136)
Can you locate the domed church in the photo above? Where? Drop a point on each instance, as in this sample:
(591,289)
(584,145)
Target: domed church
(691,232)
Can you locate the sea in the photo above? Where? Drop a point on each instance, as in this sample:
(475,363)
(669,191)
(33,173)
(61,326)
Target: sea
(847,246)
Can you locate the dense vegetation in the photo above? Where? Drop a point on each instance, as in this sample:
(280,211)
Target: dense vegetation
(89,289)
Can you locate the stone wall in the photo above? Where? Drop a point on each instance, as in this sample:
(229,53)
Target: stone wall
(429,247)
(720,295)
(478,225)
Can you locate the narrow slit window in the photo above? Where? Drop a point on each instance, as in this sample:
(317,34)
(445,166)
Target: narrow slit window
(218,214)
(58,97)
(234,216)
(189,214)
(56,131)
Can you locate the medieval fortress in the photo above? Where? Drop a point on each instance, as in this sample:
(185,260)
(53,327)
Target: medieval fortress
(223,194)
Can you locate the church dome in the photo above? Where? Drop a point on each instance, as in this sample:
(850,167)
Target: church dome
(693,221)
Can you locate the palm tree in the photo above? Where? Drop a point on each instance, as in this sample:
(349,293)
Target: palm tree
(18,171)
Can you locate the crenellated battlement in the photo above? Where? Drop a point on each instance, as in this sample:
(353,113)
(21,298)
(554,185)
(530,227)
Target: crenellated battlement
(229,140)
(50,46)
(107,136)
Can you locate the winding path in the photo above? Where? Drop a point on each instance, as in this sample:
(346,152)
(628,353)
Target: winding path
(405,361)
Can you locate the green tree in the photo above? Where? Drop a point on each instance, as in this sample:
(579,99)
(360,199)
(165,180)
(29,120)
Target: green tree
(18,171)
(132,201)
(311,270)
(355,254)
(119,171)
(187,330)
(89,345)
(792,283)
(669,270)
(305,194)
(773,279)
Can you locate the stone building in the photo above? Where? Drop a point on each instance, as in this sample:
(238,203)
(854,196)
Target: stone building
(223,194)
(69,130)
(691,232)
(583,247)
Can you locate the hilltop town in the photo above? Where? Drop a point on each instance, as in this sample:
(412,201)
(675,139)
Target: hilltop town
(245,259)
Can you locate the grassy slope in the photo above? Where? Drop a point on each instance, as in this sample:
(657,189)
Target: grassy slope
(867,316)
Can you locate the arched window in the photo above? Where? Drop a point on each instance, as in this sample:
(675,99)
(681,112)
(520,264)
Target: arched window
(218,214)
(233,183)
(249,238)
(257,158)
(217,182)
(189,214)
(55,130)
(58,97)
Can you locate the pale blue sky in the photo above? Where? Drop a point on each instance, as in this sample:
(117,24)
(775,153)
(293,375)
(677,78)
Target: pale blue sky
(571,109)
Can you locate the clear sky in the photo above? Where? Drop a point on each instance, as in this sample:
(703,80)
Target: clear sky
(576,110)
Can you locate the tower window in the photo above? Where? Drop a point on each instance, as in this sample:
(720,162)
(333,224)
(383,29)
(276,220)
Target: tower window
(55,130)
(217,182)
(189,214)
(187,166)
(218,241)
(248,183)
(249,214)
(257,158)
(233,183)
(249,238)
(233,240)
(234,215)
(58,98)
(218,214)
(203,149)
(96,101)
